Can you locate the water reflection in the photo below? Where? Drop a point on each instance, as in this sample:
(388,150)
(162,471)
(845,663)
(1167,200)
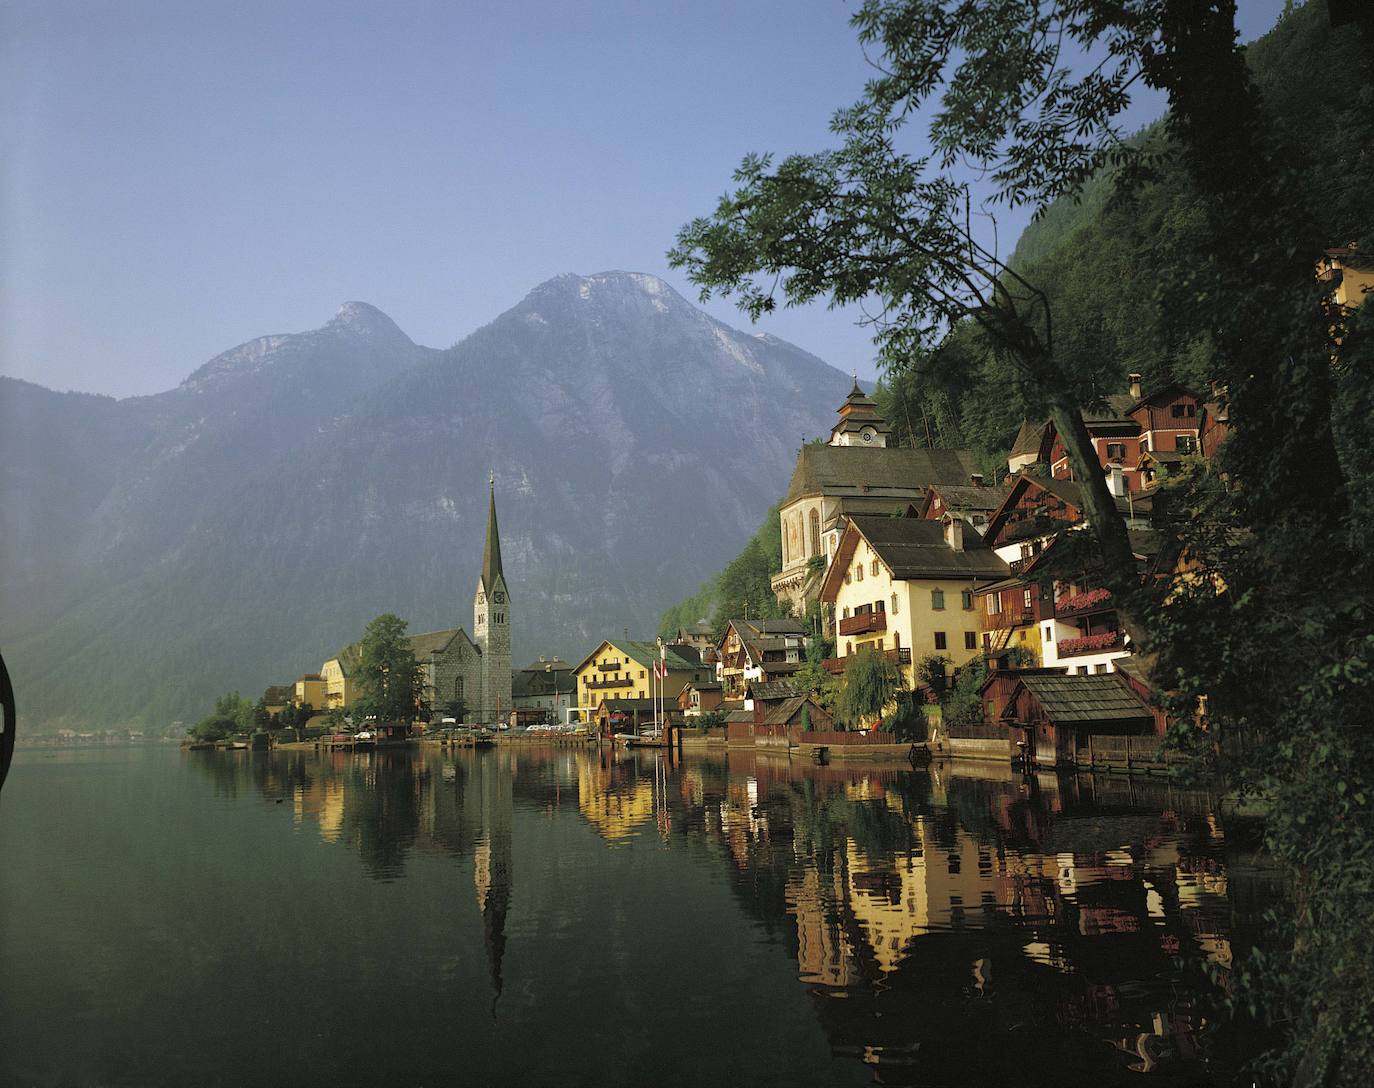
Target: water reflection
(949,926)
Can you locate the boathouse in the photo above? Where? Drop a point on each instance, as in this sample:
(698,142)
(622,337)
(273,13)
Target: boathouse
(1053,716)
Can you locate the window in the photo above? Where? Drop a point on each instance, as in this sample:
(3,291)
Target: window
(859,573)
(1185,443)
(880,645)
(848,649)
(940,640)
(1099,668)
(966,598)
(846,613)
(873,568)
(1116,451)
(1082,670)
(643,674)
(1026,599)
(846,578)
(992,603)
(1023,634)
(894,604)
(1049,632)
(815,533)
(970,640)
(937,599)
(896,640)
(1182,411)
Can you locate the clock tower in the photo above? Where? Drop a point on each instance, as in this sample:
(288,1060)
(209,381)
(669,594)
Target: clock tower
(491,625)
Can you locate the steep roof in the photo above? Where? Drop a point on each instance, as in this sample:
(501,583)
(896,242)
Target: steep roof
(773,689)
(1028,438)
(752,630)
(1091,697)
(902,473)
(968,497)
(422,645)
(677,655)
(491,551)
(917,548)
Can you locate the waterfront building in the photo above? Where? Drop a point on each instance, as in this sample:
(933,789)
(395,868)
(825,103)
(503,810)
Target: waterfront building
(460,673)
(1058,615)
(624,670)
(855,472)
(908,587)
(700,697)
(975,501)
(758,651)
(545,688)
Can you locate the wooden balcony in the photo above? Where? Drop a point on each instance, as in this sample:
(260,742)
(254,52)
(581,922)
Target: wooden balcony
(837,665)
(611,666)
(1012,617)
(864,623)
(607,682)
(1103,642)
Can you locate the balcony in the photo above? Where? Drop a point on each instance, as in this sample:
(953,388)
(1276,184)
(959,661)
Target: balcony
(1090,644)
(611,666)
(1078,604)
(837,665)
(864,623)
(1018,566)
(607,682)
(1011,617)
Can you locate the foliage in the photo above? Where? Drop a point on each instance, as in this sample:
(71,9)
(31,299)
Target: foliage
(813,677)
(390,680)
(908,721)
(871,683)
(456,709)
(931,671)
(232,714)
(806,718)
(961,704)
(742,589)
(712,719)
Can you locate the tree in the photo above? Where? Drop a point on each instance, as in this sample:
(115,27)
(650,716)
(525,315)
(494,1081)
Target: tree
(871,683)
(813,678)
(390,680)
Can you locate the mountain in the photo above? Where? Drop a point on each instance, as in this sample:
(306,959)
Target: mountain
(237,530)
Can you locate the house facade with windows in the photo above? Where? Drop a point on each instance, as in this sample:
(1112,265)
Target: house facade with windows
(757,651)
(909,587)
(855,472)
(1056,612)
(623,671)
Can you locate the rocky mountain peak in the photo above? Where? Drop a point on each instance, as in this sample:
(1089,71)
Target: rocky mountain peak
(364,319)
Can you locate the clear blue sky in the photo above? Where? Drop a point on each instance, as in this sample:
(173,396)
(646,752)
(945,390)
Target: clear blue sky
(176,178)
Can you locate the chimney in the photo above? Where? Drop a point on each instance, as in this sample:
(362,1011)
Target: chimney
(1134,379)
(954,533)
(976,479)
(1116,481)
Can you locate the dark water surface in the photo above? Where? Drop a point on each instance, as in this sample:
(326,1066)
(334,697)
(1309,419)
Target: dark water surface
(568,917)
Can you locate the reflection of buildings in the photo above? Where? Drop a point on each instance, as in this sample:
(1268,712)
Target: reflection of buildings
(491,792)
(611,800)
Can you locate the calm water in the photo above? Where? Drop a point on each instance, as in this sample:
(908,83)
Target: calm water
(530,916)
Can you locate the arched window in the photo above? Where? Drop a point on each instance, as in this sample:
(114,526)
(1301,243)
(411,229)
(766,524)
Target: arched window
(894,604)
(815,532)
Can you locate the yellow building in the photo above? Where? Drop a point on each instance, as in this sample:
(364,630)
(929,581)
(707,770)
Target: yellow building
(1350,274)
(908,587)
(310,690)
(624,670)
(340,690)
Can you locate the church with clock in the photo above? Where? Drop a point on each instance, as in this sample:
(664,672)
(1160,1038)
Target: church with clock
(476,672)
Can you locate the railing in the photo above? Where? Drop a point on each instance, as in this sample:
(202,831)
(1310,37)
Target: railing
(1019,565)
(610,666)
(1012,617)
(863,623)
(608,683)
(1092,600)
(837,665)
(976,732)
(1090,644)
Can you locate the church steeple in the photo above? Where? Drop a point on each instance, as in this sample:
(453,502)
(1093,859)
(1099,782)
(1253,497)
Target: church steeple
(491,553)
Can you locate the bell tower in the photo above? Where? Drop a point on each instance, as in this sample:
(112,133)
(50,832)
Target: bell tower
(491,624)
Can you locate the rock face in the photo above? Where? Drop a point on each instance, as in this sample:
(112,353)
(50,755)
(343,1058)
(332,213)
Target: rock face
(236,530)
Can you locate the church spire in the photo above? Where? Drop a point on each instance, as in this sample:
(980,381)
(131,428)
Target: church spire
(491,554)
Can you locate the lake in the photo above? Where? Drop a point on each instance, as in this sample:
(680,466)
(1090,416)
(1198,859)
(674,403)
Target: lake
(569,916)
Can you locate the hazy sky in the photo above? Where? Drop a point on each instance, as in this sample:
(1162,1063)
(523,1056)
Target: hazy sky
(176,178)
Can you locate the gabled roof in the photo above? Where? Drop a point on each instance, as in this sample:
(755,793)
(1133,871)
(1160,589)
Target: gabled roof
(1069,492)
(422,646)
(772,689)
(1169,389)
(677,655)
(900,473)
(753,630)
(1094,697)
(913,548)
(965,497)
(1028,438)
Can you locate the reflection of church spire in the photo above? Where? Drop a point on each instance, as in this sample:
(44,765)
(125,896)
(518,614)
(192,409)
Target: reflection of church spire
(492,869)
